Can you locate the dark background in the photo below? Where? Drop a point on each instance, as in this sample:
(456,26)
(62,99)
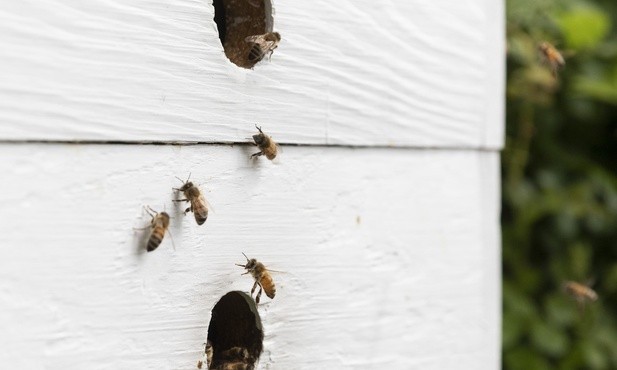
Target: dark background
(560,186)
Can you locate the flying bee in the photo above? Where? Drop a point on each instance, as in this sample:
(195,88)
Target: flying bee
(262,45)
(266,145)
(262,278)
(192,194)
(159,225)
(552,56)
(581,293)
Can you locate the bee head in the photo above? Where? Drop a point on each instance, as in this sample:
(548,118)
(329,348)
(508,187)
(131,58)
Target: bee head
(186,185)
(544,46)
(260,137)
(274,36)
(250,263)
(191,190)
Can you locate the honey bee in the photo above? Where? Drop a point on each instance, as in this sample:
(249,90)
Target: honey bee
(580,292)
(552,56)
(207,356)
(236,358)
(199,205)
(262,278)
(262,45)
(159,225)
(266,145)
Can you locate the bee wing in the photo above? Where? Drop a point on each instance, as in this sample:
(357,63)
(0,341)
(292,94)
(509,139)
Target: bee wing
(256,39)
(277,271)
(210,208)
(268,46)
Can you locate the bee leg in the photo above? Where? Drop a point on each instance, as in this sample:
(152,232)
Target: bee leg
(257,154)
(253,290)
(180,200)
(190,209)
(258,294)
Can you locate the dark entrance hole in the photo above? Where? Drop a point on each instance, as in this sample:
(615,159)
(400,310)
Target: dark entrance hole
(238,19)
(235,333)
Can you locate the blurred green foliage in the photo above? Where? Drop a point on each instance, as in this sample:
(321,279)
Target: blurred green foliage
(560,186)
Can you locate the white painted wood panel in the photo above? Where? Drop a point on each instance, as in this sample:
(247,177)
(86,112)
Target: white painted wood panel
(386,73)
(392,256)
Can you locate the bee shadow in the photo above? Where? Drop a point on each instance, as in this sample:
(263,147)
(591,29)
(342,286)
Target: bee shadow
(247,153)
(141,236)
(179,207)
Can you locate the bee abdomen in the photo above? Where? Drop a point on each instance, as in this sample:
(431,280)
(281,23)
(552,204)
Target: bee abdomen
(155,239)
(255,54)
(269,287)
(201,217)
(271,292)
(271,151)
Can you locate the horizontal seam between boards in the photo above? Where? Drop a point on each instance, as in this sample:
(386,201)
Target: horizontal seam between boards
(246,143)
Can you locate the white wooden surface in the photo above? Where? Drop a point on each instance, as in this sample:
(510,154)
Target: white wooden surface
(391,255)
(412,73)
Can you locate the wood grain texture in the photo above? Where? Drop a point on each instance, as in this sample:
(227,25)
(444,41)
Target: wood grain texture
(385,73)
(391,256)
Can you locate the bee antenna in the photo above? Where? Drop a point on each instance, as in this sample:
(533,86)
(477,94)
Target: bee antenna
(190,173)
(148,208)
(259,128)
(179,179)
(247,259)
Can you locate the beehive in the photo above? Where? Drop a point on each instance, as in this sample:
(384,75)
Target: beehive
(382,211)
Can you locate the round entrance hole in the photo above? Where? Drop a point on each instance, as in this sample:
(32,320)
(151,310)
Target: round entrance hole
(238,19)
(235,334)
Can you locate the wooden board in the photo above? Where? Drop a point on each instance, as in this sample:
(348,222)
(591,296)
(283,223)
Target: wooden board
(391,256)
(377,73)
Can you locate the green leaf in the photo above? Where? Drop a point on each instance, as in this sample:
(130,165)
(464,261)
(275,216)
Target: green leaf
(594,356)
(610,280)
(583,27)
(549,339)
(601,87)
(525,359)
(561,310)
(513,328)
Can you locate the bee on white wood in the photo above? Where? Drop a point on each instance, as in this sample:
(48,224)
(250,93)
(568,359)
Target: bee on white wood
(207,358)
(159,225)
(192,194)
(267,146)
(235,358)
(262,277)
(262,45)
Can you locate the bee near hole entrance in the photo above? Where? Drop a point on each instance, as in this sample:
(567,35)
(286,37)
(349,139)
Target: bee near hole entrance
(238,19)
(235,334)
